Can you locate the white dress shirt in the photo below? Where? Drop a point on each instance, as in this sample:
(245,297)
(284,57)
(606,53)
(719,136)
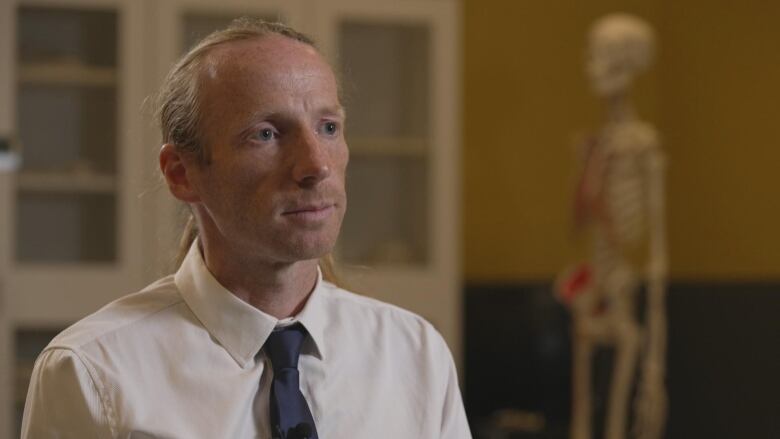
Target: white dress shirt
(183,359)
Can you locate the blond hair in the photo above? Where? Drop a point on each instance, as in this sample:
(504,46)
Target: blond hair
(178,110)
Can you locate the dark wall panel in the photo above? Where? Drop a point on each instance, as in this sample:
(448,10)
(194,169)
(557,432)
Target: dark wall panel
(723,359)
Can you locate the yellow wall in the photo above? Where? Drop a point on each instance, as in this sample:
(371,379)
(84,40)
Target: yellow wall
(714,93)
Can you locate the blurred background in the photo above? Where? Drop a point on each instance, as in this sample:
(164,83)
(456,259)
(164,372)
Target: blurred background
(463,117)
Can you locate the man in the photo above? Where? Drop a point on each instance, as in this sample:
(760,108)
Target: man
(247,339)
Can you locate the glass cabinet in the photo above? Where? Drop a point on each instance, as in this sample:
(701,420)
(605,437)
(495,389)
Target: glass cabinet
(71,76)
(397,63)
(399,71)
(67,120)
(75,214)
(385,73)
(85,219)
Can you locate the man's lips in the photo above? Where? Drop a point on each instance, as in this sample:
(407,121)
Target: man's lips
(305,209)
(310,213)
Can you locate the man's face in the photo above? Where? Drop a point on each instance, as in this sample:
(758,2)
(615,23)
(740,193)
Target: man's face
(272,125)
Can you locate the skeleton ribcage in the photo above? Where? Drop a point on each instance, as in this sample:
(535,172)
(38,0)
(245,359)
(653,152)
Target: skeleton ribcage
(623,228)
(624,199)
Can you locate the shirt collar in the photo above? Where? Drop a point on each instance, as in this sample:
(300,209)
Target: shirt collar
(313,316)
(238,326)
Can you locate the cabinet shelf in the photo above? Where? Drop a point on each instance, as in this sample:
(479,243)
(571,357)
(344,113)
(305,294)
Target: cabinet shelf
(66,73)
(388,146)
(66,181)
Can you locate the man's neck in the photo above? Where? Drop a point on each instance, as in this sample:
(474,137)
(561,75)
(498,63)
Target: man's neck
(278,289)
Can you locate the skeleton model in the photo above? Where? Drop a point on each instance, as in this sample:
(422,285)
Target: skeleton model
(620,200)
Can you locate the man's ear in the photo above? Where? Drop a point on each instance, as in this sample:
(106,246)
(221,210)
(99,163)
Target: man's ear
(177,171)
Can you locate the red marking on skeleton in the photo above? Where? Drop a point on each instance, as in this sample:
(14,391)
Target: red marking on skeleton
(576,283)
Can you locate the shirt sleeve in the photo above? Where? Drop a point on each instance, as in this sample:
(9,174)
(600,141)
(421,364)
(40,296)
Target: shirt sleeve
(63,399)
(453,422)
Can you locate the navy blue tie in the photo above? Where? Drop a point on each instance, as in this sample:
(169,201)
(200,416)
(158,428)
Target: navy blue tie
(290,415)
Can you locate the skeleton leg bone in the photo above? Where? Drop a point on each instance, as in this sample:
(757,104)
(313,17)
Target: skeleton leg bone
(626,351)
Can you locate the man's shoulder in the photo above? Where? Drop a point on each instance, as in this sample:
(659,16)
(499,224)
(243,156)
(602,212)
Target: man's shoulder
(120,316)
(350,306)
(384,338)
(351,301)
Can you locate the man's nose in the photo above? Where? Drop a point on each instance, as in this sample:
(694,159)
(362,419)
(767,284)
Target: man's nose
(311,160)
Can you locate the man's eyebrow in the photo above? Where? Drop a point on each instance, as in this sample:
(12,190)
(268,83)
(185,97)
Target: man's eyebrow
(337,110)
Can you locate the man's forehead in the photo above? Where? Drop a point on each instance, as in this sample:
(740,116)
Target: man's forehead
(269,71)
(265,54)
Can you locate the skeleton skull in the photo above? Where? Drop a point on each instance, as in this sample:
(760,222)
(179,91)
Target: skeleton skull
(620,45)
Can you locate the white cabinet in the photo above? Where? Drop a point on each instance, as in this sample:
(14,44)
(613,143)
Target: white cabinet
(399,68)
(72,90)
(88,220)
(7,167)
(76,216)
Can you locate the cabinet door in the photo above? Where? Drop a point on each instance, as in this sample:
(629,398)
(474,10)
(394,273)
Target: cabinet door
(73,220)
(180,24)
(397,64)
(7,34)
(76,224)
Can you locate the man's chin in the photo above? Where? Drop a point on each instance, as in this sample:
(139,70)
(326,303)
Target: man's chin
(308,250)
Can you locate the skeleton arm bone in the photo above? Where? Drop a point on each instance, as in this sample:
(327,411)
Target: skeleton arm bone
(651,401)
(655,170)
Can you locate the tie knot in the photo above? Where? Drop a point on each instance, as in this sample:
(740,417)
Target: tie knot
(284,346)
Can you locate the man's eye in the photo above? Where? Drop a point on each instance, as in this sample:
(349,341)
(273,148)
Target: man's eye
(265,134)
(330,128)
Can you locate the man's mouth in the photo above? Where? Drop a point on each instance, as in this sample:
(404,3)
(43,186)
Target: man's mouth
(314,212)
